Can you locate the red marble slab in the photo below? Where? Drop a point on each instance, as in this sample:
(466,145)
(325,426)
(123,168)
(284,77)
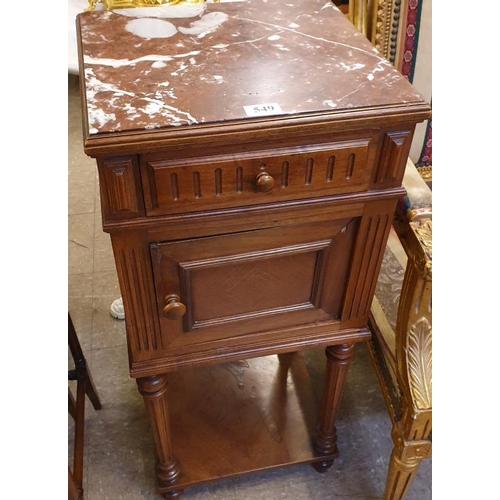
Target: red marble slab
(155,68)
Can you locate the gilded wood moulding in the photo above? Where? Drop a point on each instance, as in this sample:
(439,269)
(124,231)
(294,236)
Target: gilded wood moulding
(379,21)
(126,4)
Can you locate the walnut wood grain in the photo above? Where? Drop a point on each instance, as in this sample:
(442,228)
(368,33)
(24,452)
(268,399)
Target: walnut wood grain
(394,152)
(154,392)
(120,188)
(248,178)
(269,420)
(372,237)
(285,269)
(339,357)
(259,272)
(139,301)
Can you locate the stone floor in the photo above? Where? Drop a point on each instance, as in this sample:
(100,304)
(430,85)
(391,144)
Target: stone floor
(118,448)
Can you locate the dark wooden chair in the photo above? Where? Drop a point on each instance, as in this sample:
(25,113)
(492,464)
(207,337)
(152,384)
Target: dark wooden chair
(401,323)
(76,408)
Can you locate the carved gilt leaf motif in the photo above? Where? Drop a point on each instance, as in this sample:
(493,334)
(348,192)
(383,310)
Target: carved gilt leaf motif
(419,356)
(389,285)
(423,259)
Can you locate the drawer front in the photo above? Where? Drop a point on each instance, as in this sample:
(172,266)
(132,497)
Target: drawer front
(187,185)
(250,283)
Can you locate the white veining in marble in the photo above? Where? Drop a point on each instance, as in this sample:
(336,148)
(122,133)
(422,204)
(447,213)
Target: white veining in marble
(165,11)
(351,67)
(96,116)
(153,107)
(147,27)
(159,64)
(320,39)
(229,57)
(159,107)
(74,8)
(330,5)
(208,23)
(379,67)
(330,103)
(116,63)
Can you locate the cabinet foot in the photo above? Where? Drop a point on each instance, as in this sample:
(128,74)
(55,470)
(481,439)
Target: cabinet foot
(322,466)
(167,474)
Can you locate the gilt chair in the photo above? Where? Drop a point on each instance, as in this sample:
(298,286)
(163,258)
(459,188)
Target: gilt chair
(401,325)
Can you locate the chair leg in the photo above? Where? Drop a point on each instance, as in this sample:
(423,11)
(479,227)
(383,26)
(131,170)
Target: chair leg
(91,391)
(400,476)
(71,404)
(405,460)
(74,492)
(81,364)
(85,387)
(79,433)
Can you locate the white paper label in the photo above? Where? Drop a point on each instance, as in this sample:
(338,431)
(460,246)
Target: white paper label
(272,108)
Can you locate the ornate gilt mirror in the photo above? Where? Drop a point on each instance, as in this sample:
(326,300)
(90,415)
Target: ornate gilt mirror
(401,31)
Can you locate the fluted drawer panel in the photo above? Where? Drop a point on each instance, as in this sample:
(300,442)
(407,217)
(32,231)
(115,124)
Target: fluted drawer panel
(202,183)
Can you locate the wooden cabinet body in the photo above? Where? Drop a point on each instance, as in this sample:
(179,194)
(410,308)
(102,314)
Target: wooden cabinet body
(239,236)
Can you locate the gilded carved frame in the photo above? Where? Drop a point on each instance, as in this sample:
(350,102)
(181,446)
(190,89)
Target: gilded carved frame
(121,4)
(379,21)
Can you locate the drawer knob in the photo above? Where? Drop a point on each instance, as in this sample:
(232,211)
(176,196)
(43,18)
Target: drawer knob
(174,308)
(265,182)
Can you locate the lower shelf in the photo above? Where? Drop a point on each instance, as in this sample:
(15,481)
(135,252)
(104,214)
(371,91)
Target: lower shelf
(242,417)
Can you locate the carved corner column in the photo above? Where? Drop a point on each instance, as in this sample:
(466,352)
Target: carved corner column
(154,391)
(338,359)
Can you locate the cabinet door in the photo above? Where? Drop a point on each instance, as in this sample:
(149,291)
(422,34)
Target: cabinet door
(249,283)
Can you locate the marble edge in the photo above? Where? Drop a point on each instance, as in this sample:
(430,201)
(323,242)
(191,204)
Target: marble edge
(337,120)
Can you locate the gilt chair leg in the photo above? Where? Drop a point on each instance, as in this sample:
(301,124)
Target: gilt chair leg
(405,460)
(400,476)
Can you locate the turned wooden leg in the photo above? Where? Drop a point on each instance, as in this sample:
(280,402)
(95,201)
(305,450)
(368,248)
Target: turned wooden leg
(154,391)
(338,358)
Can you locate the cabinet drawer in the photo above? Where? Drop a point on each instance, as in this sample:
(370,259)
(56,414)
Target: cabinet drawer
(230,180)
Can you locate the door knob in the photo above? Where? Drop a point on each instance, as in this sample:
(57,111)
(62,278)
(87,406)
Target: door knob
(174,308)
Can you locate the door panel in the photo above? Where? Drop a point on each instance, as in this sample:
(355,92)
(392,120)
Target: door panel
(252,282)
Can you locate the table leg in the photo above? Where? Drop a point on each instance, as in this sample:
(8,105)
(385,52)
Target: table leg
(338,357)
(154,391)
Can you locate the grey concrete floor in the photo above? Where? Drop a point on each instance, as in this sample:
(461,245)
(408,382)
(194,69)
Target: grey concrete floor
(119,461)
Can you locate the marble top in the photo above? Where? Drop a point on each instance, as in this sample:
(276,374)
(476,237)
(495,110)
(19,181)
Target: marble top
(154,68)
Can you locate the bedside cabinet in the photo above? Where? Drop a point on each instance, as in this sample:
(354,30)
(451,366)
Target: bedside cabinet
(250,158)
